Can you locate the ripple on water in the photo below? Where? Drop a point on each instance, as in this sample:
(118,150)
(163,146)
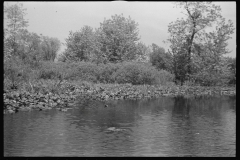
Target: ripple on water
(157,127)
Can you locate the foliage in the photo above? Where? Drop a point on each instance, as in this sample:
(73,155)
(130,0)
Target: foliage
(142,52)
(50,47)
(16,72)
(58,71)
(7,49)
(160,59)
(14,22)
(113,54)
(12,68)
(80,44)
(29,48)
(87,71)
(21,43)
(117,38)
(219,73)
(114,41)
(189,37)
(106,72)
(231,63)
(140,73)
(180,66)
(127,72)
(61,57)
(165,78)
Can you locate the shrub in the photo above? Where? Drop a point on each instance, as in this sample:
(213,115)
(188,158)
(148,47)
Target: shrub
(50,70)
(59,70)
(106,72)
(68,71)
(141,73)
(86,71)
(211,79)
(13,72)
(128,72)
(163,77)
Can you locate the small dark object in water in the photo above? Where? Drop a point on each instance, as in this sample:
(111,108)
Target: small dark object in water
(105,105)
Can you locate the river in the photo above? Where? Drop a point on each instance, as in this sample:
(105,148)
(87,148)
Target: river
(163,127)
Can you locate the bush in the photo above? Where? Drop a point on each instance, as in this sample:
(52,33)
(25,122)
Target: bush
(60,70)
(13,73)
(212,78)
(106,72)
(68,71)
(86,71)
(163,77)
(141,73)
(136,73)
(49,70)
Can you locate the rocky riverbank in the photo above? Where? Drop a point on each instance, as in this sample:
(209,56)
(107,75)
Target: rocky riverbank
(15,101)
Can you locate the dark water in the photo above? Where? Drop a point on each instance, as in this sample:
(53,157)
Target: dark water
(159,127)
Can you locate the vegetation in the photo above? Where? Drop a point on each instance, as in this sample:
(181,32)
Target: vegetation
(193,48)
(160,59)
(112,54)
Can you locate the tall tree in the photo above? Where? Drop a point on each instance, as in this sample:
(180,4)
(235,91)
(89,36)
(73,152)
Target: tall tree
(14,22)
(118,37)
(184,33)
(80,44)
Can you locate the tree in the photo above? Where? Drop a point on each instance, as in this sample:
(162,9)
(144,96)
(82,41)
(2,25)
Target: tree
(50,47)
(160,59)
(14,22)
(142,52)
(80,44)
(188,35)
(29,46)
(216,74)
(180,65)
(215,42)
(117,38)
(7,47)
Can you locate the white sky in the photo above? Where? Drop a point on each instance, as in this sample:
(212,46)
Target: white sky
(56,19)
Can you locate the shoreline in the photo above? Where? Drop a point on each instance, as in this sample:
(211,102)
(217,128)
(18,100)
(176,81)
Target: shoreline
(20,100)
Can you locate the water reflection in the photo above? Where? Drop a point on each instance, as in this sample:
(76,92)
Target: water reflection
(199,127)
(158,127)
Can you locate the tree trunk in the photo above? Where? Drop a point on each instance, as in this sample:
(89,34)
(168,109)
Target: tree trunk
(189,43)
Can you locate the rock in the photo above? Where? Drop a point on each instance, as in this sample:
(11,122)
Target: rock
(11,111)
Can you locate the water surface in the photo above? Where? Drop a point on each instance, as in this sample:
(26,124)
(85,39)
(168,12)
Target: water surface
(158,127)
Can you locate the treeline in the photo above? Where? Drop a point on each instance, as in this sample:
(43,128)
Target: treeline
(113,53)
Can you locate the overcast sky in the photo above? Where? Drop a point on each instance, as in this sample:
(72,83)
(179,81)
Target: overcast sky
(56,19)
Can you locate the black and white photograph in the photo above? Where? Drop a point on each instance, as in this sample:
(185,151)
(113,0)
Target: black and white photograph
(119,78)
